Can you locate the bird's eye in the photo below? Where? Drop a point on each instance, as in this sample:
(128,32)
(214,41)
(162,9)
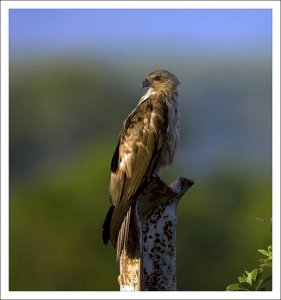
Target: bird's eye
(157,78)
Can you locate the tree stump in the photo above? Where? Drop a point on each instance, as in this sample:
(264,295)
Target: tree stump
(149,261)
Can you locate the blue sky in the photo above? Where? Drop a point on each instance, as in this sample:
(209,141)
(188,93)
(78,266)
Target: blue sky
(222,57)
(147,31)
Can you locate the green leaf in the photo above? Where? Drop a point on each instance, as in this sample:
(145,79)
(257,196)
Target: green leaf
(259,284)
(233,287)
(266,262)
(242,278)
(265,252)
(254,280)
(254,274)
(245,286)
(249,279)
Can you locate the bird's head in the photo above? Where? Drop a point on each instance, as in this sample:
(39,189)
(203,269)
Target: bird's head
(161,80)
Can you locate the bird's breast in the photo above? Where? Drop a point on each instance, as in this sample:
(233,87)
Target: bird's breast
(172,135)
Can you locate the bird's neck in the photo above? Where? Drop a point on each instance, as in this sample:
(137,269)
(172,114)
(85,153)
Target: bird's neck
(171,95)
(149,93)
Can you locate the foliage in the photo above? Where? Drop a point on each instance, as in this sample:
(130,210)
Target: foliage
(266,262)
(255,280)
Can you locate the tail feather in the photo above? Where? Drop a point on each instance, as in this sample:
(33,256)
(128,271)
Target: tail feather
(121,222)
(123,235)
(106,225)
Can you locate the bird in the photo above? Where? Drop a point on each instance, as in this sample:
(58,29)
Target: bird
(146,143)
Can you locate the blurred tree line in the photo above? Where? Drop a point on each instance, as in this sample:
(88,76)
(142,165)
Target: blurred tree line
(65,117)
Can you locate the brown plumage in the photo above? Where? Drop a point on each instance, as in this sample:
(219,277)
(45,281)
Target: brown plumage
(147,142)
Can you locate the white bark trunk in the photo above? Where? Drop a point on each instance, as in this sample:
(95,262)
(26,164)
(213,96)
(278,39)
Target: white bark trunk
(152,265)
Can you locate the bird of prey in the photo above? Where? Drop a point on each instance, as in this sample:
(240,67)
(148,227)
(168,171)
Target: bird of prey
(146,143)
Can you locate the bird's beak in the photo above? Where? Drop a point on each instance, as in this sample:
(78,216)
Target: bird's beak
(145,83)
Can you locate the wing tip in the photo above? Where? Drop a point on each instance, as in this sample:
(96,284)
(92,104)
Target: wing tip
(106,225)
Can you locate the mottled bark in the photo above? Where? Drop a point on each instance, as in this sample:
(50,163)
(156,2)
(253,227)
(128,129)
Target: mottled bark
(149,263)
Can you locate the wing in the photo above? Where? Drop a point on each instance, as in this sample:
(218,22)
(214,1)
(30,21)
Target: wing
(135,156)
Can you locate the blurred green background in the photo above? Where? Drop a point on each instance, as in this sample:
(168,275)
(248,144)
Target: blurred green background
(75,75)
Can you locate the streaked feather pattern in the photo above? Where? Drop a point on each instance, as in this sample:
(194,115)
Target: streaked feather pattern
(146,142)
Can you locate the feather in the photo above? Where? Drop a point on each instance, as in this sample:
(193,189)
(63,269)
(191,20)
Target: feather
(106,225)
(146,142)
(115,158)
(140,141)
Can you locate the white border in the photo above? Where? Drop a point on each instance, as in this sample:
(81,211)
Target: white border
(276,146)
(141,295)
(141,4)
(5,6)
(4,150)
